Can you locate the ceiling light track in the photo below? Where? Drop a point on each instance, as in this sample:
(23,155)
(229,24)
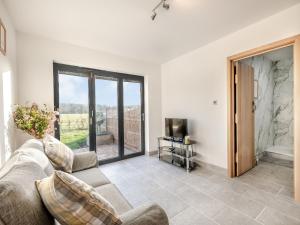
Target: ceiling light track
(162,3)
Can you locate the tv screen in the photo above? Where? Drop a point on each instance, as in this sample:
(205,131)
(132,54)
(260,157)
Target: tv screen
(176,128)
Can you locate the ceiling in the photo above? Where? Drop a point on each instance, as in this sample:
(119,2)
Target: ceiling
(124,27)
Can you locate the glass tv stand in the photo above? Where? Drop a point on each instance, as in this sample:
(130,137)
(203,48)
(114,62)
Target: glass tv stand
(177,152)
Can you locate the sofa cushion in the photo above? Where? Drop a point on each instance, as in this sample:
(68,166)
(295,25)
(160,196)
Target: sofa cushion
(33,143)
(15,159)
(20,202)
(93,177)
(60,155)
(148,214)
(111,193)
(84,160)
(38,156)
(71,201)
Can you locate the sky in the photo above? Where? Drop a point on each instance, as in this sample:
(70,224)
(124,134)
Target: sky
(74,89)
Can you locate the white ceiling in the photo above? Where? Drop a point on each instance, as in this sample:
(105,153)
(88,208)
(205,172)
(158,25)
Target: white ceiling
(124,27)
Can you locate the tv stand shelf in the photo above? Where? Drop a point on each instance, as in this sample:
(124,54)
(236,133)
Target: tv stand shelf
(176,152)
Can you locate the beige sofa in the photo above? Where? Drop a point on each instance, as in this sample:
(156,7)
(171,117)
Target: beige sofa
(20,202)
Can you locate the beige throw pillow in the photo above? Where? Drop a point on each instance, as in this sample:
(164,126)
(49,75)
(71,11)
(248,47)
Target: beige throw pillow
(60,155)
(73,202)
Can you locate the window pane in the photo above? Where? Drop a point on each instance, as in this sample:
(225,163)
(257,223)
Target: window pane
(74,111)
(107,132)
(132,117)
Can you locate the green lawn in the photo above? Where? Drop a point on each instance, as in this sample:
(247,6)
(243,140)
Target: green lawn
(75,139)
(74,130)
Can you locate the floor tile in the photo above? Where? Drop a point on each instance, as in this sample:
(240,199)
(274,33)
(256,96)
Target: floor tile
(191,216)
(262,196)
(168,201)
(201,201)
(248,206)
(272,217)
(228,216)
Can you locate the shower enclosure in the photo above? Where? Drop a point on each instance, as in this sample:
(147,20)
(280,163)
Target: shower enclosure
(273,74)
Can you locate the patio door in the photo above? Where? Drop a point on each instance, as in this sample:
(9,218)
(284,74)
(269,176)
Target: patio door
(100,111)
(107,118)
(133,111)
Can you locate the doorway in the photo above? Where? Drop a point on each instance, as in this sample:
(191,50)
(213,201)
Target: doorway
(243,151)
(273,110)
(100,111)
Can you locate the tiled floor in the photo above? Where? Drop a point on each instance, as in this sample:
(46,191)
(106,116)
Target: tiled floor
(206,196)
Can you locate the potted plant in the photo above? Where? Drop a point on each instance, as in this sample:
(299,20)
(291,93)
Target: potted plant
(34,120)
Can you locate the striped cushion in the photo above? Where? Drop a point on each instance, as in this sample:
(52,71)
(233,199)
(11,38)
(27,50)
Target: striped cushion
(73,202)
(60,155)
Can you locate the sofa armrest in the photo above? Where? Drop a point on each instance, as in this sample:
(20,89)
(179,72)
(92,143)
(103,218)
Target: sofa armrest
(149,214)
(84,160)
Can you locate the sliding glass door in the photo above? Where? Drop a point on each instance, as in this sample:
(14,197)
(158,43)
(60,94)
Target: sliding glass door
(74,111)
(107,118)
(100,111)
(133,116)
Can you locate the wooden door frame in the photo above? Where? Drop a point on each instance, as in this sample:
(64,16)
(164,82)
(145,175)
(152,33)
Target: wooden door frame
(292,41)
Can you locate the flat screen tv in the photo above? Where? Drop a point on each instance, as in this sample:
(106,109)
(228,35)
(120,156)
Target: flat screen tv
(176,128)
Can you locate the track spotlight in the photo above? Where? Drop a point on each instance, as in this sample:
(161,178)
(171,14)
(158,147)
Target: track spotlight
(162,3)
(153,15)
(166,5)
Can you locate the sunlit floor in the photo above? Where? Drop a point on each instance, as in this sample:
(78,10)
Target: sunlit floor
(206,195)
(107,151)
(111,151)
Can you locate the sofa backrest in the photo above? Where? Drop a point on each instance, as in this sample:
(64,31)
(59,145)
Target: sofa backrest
(20,202)
(34,150)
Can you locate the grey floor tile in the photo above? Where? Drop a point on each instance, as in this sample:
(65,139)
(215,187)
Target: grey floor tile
(193,197)
(265,184)
(248,206)
(227,184)
(229,216)
(168,201)
(191,216)
(207,194)
(272,217)
(201,183)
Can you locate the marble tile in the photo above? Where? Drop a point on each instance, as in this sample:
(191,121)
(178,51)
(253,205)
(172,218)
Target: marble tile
(274,104)
(283,103)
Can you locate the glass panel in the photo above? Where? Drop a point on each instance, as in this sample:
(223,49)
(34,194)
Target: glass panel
(107,138)
(74,111)
(132,117)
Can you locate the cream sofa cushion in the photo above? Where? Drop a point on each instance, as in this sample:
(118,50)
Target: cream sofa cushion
(73,202)
(60,155)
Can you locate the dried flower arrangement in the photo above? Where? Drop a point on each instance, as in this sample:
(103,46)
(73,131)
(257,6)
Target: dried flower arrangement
(34,120)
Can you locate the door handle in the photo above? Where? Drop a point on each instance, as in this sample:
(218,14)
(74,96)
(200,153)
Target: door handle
(253,107)
(143,116)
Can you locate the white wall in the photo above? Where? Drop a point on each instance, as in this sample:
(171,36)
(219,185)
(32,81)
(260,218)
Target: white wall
(191,82)
(35,66)
(7,87)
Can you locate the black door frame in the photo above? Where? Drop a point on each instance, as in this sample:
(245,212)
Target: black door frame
(92,75)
